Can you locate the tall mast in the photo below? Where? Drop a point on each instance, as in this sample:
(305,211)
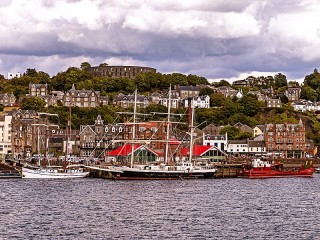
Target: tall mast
(191,109)
(68,128)
(168,127)
(133,127)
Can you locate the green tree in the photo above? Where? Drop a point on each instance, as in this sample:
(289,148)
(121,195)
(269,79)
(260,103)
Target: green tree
(251,105)
(217,100)
(206,91)
(33,103)
(280,80)
(231,131)
(308,93)
(85,65)
(222,83)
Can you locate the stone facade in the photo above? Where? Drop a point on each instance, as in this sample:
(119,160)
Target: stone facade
(286,140)
(7,99)
(119,71)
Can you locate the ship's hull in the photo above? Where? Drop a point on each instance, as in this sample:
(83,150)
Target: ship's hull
(136,174)
(47,173)
(261,173)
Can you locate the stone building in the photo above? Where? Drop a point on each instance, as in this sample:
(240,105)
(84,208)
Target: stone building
(81,98)
(5,134)
(286,140)
(7,99)
(119,71)
(127,101)
(29,133)
(36,90)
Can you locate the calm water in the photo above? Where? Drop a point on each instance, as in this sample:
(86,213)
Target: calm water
(182,209)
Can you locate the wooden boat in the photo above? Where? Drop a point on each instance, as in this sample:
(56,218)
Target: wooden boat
(265,169)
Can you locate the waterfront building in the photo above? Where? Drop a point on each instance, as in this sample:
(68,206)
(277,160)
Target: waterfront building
(286,140)
(219,141)
(204,153)
(119,71)
(29,133)
(256,148)
(237,147)
(5,135)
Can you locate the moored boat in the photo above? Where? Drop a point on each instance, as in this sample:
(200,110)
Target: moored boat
(71,171)
(182,170)
(317,170)
(265,169)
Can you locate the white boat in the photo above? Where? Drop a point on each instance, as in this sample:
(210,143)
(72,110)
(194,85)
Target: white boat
(317,170)
(54,172)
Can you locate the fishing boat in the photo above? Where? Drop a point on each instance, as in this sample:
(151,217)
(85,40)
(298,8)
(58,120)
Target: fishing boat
(186,169)
(54,172)
(266,169)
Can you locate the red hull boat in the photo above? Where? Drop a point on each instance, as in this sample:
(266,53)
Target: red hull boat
(264,169)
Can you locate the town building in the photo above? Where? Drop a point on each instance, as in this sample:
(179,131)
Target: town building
(258,130)
(7,99)
(293,93)
(286,140)
(237,148)
(119,71)
(29,133)
(81,98)
(197,102)
(36,90)
(14,75)
(187,91)
(174,99)
(273,103)
(219,141)
(127,101)
(5,135)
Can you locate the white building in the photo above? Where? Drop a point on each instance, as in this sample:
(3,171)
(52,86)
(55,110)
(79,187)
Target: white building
(5,135)
(219,141)
(198,102)
(237,147)
(13,75)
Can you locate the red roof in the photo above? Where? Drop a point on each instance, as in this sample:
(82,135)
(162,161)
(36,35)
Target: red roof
(197,150)
(127,149)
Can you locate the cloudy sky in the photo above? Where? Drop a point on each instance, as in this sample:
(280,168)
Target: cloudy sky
(220,39)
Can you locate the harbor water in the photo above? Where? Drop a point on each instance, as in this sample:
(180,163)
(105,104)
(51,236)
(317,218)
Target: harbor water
(89,208)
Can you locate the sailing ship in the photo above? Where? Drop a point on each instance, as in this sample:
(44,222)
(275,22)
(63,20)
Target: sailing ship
(265,169)
(176,170)
(54,172)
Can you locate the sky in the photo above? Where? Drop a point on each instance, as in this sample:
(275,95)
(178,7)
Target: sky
(220,39)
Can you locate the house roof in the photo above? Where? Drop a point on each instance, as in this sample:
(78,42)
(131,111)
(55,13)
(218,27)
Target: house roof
(198,150)
(127,149)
